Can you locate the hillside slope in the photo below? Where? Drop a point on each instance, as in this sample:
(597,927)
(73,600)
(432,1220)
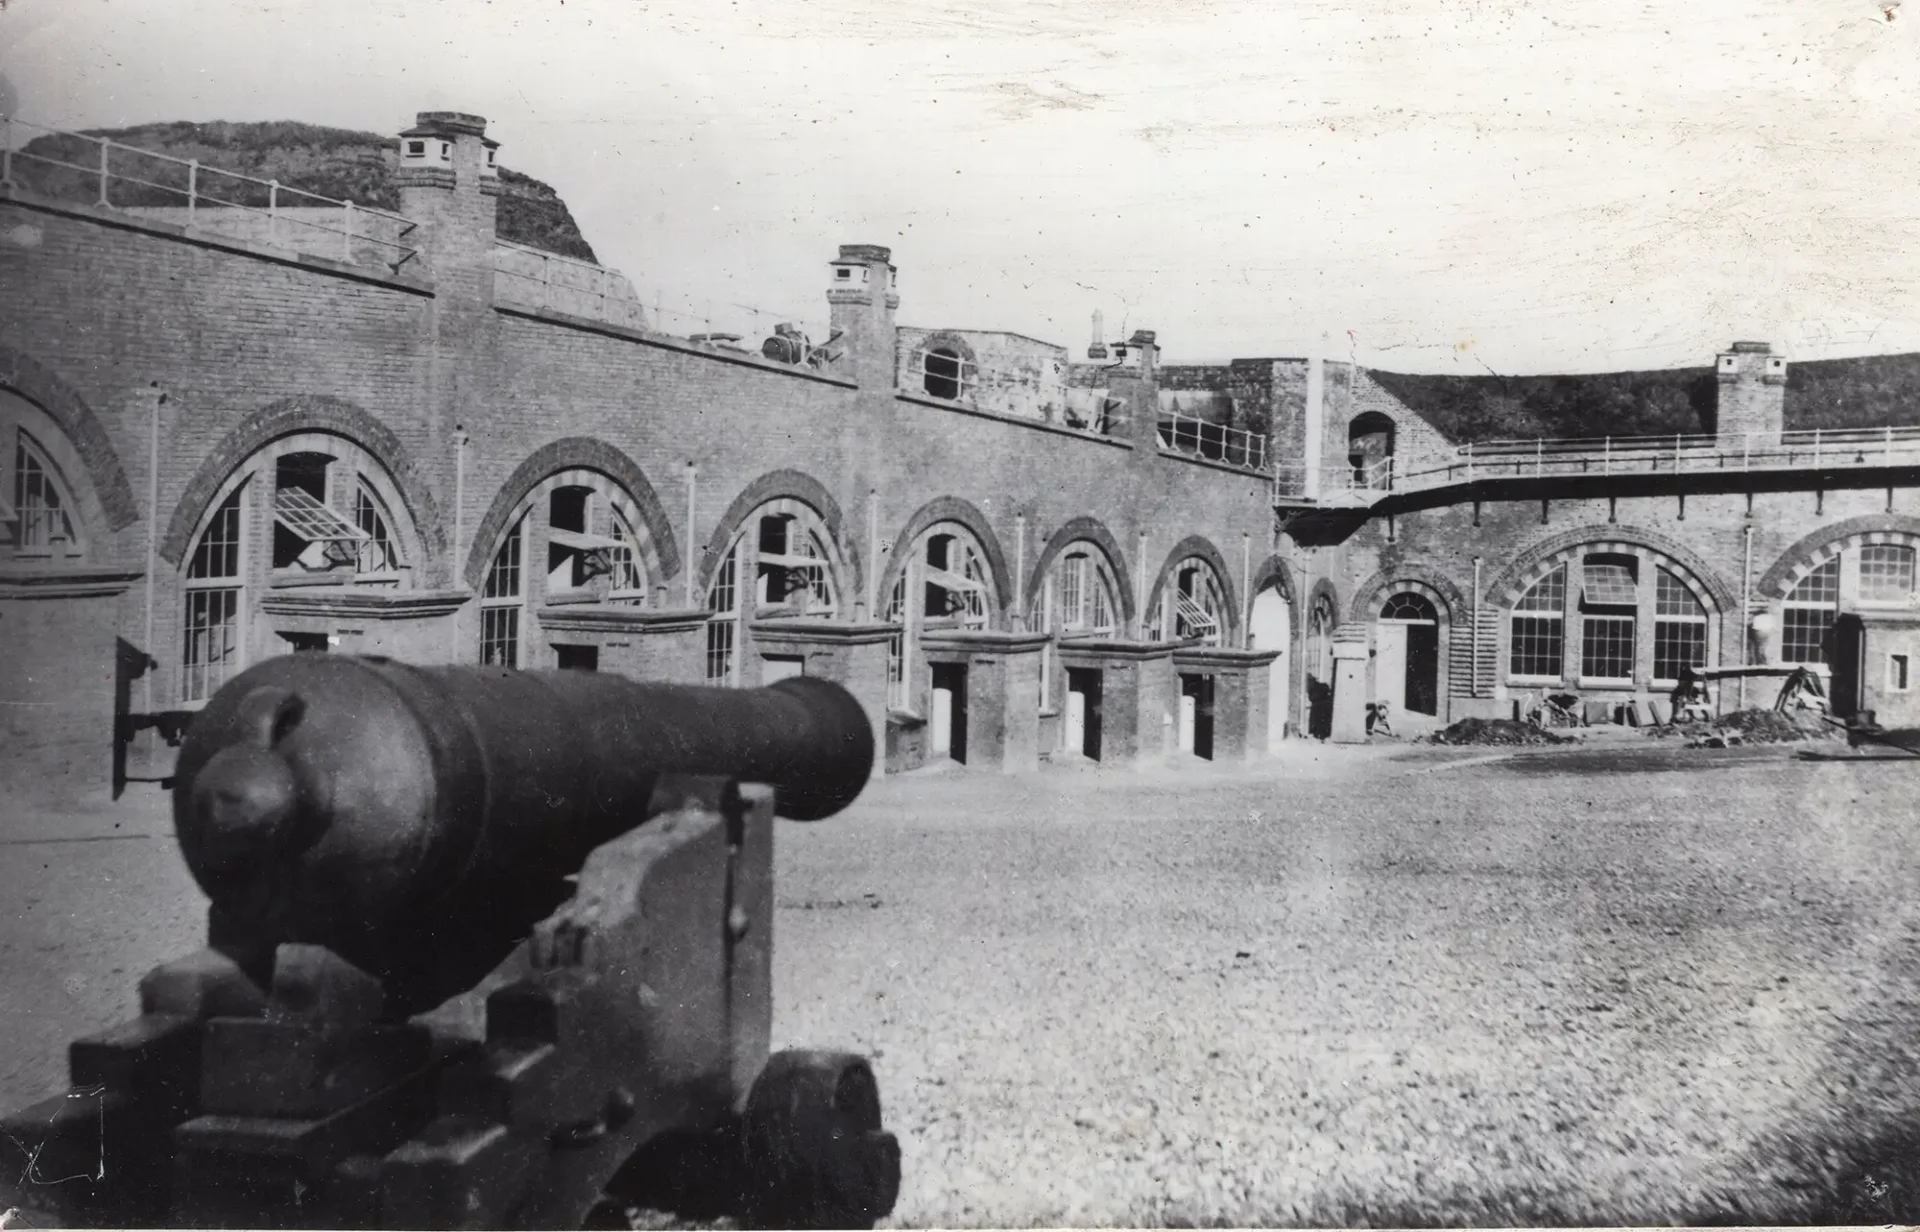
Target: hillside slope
(1871,391)
(333,162)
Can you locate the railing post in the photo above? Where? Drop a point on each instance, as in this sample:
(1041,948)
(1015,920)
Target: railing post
(1886,454)
(1606,457)
(193,189)
(1746,451)
(1469,461)
(6,150)
(1539,456)
(600,284)
(273,212)
(546,283)
(1676,453)
(105,146)
(1816,446)
(346,243)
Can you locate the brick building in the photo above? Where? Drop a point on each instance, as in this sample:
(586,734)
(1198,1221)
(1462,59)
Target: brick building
(236,433)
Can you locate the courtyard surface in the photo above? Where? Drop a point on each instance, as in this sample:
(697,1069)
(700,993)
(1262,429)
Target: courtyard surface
(1634,984)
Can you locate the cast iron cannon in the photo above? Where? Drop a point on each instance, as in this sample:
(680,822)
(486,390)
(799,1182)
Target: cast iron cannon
(484,947)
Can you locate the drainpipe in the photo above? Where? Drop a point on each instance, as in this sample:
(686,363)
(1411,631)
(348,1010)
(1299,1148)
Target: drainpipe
(1474,679)
(1246,590)
(873,554)
(692,476)
(1019,614)
(153,530)
(1140,589)
(459,530)
(1746,614)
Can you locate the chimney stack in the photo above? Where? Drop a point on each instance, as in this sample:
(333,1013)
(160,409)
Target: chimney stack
(1752,398)
(862,298)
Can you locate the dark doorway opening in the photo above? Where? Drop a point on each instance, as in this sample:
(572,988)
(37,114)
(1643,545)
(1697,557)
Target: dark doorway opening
(1849,665)
(1196,715)
(1423,669)
(1083,710)
(949,718)
(306,643)
(578,658)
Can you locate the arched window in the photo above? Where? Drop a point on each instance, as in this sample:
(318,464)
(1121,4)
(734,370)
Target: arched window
(308,510)
(1679,628)
(1410,608)
(1537,644)
(214,583)
(780,565)
(1807,615)
(41,514)
(1886,572)
(590,545)
(1076,599)
(1192,604)
(945,368)
(945,583)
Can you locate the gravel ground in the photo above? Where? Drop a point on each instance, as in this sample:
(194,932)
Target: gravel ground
(1619,985)
(1616,986)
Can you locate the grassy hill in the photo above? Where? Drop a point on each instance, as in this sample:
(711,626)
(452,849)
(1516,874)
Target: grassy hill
(333,162)
(1872,391)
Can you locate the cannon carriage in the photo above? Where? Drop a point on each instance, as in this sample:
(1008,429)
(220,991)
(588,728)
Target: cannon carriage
(486,948)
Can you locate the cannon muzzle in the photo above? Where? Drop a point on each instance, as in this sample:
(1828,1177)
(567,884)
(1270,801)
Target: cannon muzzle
(361,804)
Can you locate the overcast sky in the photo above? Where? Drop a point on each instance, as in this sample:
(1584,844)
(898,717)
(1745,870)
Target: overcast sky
(1427,185)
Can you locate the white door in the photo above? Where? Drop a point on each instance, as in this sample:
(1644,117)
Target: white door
(1270,629)
(1390,666)
(1073,735)
(1188,705)
(940,722)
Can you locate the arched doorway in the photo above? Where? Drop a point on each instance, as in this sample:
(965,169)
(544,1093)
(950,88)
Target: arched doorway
(1370,450)
(1271,628)
(1319,667)
(1406,665)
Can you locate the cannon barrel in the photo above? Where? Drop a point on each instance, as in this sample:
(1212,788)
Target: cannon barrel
(352,802)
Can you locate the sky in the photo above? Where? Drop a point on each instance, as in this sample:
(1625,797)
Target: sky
(1461,186)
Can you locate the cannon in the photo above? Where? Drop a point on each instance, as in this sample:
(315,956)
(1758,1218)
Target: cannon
(486,948)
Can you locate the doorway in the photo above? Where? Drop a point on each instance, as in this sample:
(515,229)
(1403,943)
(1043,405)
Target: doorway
(306,643)
(947,724)
(1081,730)
(1196,715)
(1406,665)
(577,658)
(1271,628)
(1849,665)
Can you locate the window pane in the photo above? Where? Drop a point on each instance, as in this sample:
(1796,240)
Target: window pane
(1537,646)
(503,576)
(1886,571)
(1549,594)
(218,554)
(500,636)
(212,641)
(720,651)
(1678,644)
(1606,647)
(1672,598)
(376,554)
(1820,586)
(36,502)
(1803,634)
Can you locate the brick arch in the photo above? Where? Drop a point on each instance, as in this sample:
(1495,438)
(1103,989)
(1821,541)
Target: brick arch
(1079,530)
(1323,587)
(785,484)
(948,509)
(1529,566)
(306,413)
(1202,547)
(568,454)
(63,404)
(942,339)
(1816,549)
(1273,569)
(1421,579)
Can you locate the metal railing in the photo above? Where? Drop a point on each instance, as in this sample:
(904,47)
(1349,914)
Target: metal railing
(1200,438)
(529,277)
(1680,454)
(205,197)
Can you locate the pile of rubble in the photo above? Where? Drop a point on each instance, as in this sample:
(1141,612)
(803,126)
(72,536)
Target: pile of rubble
(1496,731)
